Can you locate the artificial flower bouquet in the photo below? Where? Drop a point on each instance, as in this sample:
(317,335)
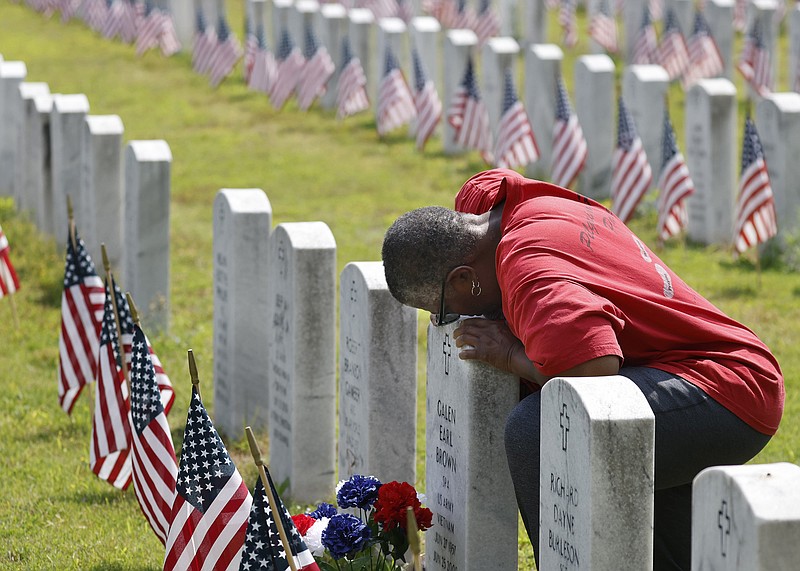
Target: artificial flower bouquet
(376,539)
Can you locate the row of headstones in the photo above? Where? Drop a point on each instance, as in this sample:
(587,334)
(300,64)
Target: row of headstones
(275,367)
(52,148)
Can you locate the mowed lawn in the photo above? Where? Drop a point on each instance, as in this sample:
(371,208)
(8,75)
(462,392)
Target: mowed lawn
(54,514)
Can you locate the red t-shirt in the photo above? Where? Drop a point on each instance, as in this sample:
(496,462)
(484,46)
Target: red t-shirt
(577,284)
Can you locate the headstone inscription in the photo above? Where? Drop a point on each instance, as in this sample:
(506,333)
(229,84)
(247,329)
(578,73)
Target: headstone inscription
(542,68)
(746,518)
(377,378)
(594,105)
(596,475)
(242,224)
(147,198)
(12,73)
(302,357)
(467,481)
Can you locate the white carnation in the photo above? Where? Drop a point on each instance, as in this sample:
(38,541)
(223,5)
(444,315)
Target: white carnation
(313,537)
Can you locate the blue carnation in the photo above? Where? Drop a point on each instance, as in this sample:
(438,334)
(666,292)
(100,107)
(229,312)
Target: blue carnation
(324,510)
(358,492)
(345,534)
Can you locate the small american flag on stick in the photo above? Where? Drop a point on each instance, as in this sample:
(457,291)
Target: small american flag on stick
(426,101)
(9,282)
(205,41)
(645,49)
(516,144)
(226,54)
(468,116)
(603,28)
(290,64)
(673,54)
(351,93)
(631,174)
(487,23)
(569,145)
(675,183)
(264,67)
(754,62)
(317,71)
(569,23)
(704,57)
(395,102)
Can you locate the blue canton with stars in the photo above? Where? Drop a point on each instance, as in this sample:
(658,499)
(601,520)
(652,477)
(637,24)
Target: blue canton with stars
(510,96)
(669,145)
(145,398)
(419,73)
(108,332)
(626,132)
(563,109)
(751,149)
(205,464)
(78,265)
(469,83)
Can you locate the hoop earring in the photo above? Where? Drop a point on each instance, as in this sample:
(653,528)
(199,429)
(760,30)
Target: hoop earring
(476,289)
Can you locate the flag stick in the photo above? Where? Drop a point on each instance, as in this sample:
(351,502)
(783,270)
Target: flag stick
(132,306)
(71,218)
(110,278)
(273,504)
(193,373)
(413,538)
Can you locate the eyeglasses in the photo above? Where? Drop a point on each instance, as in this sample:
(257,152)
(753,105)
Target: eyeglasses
(442,318)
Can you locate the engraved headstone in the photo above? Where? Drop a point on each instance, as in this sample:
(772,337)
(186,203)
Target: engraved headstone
(542,68)
(147,193)
(644,88)
(594,105)
(24,197)
(746,518)
(458,45)
(596,475)
(711,158)
(719,15)
(377,378)
(302,356)
(242,224)
(468,484)
(12,73)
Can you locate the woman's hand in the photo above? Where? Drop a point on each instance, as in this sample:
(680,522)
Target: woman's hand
(490,341)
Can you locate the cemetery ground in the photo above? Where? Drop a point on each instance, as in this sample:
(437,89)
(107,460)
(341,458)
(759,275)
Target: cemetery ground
(54,514)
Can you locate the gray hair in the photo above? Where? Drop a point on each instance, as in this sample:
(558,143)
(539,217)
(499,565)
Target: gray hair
(421,247)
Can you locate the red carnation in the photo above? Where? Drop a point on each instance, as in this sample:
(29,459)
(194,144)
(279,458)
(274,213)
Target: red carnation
(393,500)
(302,522)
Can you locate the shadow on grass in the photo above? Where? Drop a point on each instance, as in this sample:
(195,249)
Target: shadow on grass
(97,497)
(65,430)
(51,290)
(737,292)
(121,567)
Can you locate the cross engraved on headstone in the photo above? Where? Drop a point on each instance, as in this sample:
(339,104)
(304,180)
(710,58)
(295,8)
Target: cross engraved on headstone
(447,351)
(283,269)
(564,426)
(353,296)
(724,532)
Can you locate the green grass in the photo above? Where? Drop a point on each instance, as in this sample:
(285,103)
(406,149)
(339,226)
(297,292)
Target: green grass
(53,513)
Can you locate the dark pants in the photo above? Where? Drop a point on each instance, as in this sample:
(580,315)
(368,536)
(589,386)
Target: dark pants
(693,432)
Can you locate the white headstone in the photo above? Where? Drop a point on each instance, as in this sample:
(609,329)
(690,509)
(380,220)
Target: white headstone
(302,357)
(102,197)
(24,194)
(377,378)
(391,33)
(280,22)
(12,73)
(711,158)
(644,88)
(778,124)
(332,26)
(425,36)
(794,46)
(746,518)
(185,19)
(302,14)
(633,16)
(242,224)
(764,11)
(498,54)
(719,15)
(40,178)
(542,68)
(458,45)
(362,41)
(147,198)
(66,158)
(594,105)
(535,22)
(597,475)
(467,482)
(684,13)
(507,12)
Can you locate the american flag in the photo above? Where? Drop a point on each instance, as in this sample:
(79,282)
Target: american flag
(740,14)
(469,117)
(264,66)
(487,23)
(381,8)
(95,13)
(205,42)
(154,465)
(426,102)
(516,145)
(645,49)
(675,184)
(568,22)
(226,54)
(351,93)
(150,30)
(68,9)
(170,44)
(631,174)
(115,14)
(704,57)
(603,28)
(250,49)
(317,71)
(9,282)
(754,62)
(405,11)
(673,55)
(656,9)
(290,64)
(109,451)
(81,316)
(129,21)
(756,220)
(463,17)
(395,102)
(262,547)
(212,503)
(569,144)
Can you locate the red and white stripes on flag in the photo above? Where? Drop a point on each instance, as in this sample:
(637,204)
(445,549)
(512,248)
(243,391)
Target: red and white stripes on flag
(568,22)
(154,466)
(426,102)
(645,49)
(9,282)
(351,92)
(675,184)
(81,316)
(569,145)
(740,15)
(673,54)
(212,503)
(150,30)
(205,42)
(487,23)
(169,42)
(264,67)
(705,59)
(95,13)
(317,71)
(630,172)
(603,28)
(468,116)
(516,144)
(290,64)
(226,53)
(395,102)
(756,220)
(754,62)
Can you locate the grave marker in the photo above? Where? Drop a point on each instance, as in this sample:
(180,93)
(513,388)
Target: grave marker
(302,357)
(377,378)
(332,25)
(280,21)
(594,105)
(764,11)
(24,193)
(498,54)
(242,224)
(542,67)
(392,33)
(596,476)
(719,15)
(362,41)
(535,22)
(40,179)
(12,74)
(468,485)
(458,45)
(632,15)
(684,13)
(302,14)
(185,19)
(644,88)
